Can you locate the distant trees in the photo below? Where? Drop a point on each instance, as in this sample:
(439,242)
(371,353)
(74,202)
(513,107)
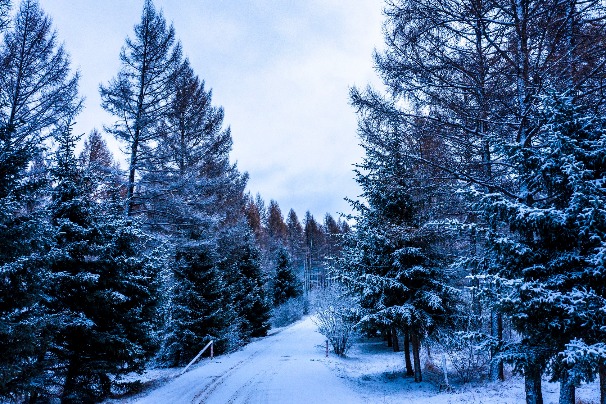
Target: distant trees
(286,285)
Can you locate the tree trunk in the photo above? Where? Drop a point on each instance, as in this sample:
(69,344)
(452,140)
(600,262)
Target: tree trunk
(130,190)
(394,338)
(69,386)
(496,365)
(106,385)
(33,397)
(388,337)
(567,390)
(532,384)
(409,370)
(602,370)
(416,348)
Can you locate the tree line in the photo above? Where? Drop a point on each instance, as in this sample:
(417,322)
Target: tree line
(484,199)
(105,271)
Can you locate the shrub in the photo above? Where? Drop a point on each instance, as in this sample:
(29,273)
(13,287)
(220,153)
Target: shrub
(336,317)
(289,312)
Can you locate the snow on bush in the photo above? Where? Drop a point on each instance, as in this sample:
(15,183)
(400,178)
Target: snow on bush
(336,317)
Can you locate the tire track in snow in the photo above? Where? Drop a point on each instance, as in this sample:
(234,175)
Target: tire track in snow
(205,394)
(246,388)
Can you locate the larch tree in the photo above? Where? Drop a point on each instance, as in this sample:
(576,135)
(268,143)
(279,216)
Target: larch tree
(100,168)
(139,95)
(195,201)
(38,91)
(276,228)
(294,238)
(253,217)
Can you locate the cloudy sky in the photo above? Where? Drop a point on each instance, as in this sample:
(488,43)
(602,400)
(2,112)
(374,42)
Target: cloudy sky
(281,69)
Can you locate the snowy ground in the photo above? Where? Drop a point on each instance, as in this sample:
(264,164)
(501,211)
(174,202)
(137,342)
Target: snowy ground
(290,367)
(375,372)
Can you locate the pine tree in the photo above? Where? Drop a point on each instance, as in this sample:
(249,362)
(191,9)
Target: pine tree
(553,254)
(100,295)
(393,257)
(286,285)
(139,94)
(37,92)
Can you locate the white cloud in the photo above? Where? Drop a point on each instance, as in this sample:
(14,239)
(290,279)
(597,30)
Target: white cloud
(281,69)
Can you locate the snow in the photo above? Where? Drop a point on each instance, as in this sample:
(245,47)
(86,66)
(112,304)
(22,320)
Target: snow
(290,366)
(286,367)
(376,373)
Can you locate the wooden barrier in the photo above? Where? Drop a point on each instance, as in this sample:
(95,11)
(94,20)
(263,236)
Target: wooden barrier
(210,344)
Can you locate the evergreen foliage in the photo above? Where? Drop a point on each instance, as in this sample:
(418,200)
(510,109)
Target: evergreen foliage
(100,292)
(552,256)
(199,310)
(286,285)
(37,92)
(250,295)
(392,258)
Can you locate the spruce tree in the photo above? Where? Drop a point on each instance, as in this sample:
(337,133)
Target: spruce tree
(553,254)
(393,257)
(247,287)
(286,285)
(101,292)
(199,310)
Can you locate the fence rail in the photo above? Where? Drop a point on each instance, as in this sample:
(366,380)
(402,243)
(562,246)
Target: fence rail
(210,344)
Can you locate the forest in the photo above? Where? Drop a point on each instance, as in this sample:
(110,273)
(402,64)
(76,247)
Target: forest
(480,231)
(106,270)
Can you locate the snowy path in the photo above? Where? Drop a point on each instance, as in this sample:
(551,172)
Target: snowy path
(288,367)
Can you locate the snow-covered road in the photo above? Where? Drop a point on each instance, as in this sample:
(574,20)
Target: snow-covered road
(288,367)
